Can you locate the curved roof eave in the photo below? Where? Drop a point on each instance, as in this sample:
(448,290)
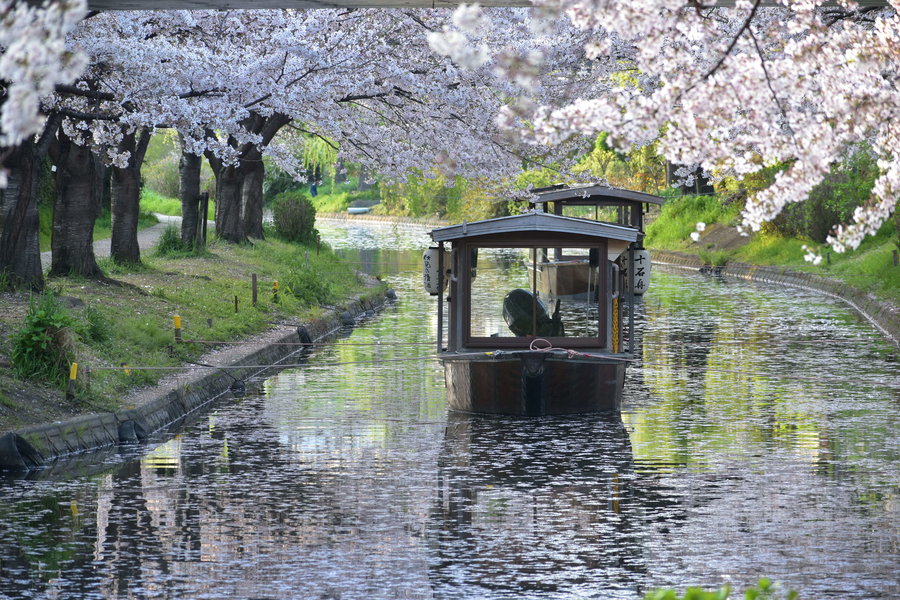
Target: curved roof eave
(596,193)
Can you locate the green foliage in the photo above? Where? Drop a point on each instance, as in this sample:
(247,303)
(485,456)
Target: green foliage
(434,195)
(153,202)
(43,348)
(715,258)
(641,169)
(847,186)
(763,590)
(295,217)
(170,243)
(310,287)
(97,327)
(159,170)
(162,175)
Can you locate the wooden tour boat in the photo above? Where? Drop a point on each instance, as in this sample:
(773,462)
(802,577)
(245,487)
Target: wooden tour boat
(561,275)
(511,349)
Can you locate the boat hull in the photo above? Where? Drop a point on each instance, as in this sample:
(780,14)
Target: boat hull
(528,384)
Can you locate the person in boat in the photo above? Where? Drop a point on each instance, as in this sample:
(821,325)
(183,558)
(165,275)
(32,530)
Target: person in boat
(517,308)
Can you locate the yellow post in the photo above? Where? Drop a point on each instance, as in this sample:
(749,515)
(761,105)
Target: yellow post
(275,291)
(73,375)
(615,325)
(177,320)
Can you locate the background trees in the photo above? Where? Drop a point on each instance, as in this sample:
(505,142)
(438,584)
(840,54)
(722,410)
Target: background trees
(736,90)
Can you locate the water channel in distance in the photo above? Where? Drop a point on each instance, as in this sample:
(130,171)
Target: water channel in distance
(759,436)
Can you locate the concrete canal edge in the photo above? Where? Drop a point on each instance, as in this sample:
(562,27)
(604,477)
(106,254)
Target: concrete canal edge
(884,316)
(178,396)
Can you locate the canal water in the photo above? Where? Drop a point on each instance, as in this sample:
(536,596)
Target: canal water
(758,438)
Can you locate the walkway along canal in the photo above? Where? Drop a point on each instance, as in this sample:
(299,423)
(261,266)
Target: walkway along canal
(759,436)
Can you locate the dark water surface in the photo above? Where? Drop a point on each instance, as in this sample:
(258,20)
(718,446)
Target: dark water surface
(759,437)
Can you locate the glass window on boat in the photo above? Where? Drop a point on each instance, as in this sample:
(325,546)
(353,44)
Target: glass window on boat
(527,292)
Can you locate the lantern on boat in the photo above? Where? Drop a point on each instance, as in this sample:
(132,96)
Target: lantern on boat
(641,272)
(431,271)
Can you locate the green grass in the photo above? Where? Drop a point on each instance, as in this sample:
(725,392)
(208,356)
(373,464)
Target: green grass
(679,217)
(869,267)
(134,324)
(102,226)
(336,198)
(152,202)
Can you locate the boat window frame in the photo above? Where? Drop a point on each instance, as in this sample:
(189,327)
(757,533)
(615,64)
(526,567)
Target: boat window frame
(464,290)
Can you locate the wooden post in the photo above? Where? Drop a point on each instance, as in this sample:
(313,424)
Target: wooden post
(73,375)
(235,304)
(177,320)
(896,258)
(253,286)
(201,223)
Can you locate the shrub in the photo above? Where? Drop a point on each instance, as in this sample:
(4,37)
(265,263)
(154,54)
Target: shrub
(765,589)
(97,327)
(309,287)
(162,175)
(170,243)
(44,347)
(715,258)
(833,201)
(295,217)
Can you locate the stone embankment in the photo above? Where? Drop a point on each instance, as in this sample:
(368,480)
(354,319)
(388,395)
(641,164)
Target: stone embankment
(425,222)
(178,397)
(882,315)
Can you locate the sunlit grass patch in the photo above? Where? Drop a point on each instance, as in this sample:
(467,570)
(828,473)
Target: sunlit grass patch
(153,202)
(679,216)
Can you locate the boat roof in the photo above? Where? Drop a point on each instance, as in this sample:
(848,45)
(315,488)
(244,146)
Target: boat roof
(538,222)
(596,193)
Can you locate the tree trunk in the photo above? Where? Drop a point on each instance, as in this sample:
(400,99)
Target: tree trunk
(189,193)
(252,201)
(229,184)
(79,190)
(20,254)
(125,192)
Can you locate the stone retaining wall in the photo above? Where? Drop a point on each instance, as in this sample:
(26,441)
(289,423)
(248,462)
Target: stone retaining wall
(883,315)
(426,222)
(171,402)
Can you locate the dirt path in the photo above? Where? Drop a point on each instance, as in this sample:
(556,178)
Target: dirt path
(146,240)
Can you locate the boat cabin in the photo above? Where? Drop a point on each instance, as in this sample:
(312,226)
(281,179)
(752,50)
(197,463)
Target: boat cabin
(563,274)
(500,328)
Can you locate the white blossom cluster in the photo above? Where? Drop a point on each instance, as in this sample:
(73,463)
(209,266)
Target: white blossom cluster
(735,90)
(366,80)
(34,60)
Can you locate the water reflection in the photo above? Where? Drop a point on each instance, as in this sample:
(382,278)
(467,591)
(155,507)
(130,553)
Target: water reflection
(759,437)
(535,507)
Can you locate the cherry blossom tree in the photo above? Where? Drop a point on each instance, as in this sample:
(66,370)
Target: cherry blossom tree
(34,59)
(733,89)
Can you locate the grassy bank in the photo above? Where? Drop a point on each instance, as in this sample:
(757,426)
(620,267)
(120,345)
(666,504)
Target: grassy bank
(152,202)
(108,326)
(102,226)
(870,267)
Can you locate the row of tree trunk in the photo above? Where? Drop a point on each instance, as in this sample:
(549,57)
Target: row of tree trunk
(80,178)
